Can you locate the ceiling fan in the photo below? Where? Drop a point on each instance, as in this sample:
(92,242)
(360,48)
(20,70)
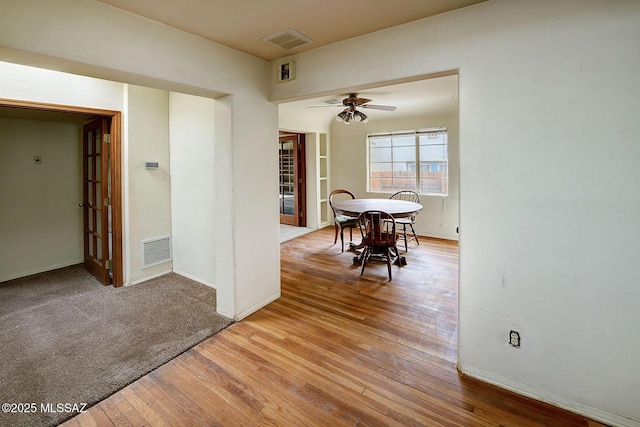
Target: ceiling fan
(351,113)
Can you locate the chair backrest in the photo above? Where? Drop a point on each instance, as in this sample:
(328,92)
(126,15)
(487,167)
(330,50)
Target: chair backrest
(409,196)
(337,193)
(378,228)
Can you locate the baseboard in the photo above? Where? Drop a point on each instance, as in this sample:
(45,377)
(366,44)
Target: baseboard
(153,276)
(550,398)
(196,278)
(256,307)
(39,270)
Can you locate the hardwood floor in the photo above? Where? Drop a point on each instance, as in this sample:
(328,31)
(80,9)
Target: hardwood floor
(336,349)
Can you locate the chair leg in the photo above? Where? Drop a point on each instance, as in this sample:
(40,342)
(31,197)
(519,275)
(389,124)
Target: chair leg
(365,253)
(389,262)
(404,233)
(342,238)
(415,236)
(335,239)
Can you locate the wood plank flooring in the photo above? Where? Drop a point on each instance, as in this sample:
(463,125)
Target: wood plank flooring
(336,349)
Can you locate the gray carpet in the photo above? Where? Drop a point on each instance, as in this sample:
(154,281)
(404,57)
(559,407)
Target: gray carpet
(65,338)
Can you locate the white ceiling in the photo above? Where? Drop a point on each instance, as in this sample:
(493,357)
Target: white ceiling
(241,24)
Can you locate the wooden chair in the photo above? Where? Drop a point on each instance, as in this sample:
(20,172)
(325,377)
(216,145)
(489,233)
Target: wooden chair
(379,238)
(342,221)
(410,196)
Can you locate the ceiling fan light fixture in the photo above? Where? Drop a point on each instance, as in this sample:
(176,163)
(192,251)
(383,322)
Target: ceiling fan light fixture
(342,116)
(352,115)
(359,116)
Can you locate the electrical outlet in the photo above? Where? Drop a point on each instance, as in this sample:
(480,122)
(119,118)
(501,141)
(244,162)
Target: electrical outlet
(514,339)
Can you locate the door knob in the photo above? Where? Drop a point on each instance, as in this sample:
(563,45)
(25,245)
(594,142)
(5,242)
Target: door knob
(81,205)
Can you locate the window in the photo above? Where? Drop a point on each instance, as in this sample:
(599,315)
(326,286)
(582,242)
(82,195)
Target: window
(415,160)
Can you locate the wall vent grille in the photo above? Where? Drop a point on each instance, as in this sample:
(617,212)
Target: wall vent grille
(156,251)
(288,39)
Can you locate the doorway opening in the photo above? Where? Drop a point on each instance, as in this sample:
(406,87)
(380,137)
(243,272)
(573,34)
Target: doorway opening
(292,186)
(108,175)
(423,102)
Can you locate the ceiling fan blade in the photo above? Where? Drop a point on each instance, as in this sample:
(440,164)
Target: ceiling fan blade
(360,101)
(324,106)
(379,107)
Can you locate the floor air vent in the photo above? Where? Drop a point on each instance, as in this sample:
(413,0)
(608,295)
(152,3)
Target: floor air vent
(156,251)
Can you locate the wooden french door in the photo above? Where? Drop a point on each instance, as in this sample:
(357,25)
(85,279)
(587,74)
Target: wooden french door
(96,199)
(292,185)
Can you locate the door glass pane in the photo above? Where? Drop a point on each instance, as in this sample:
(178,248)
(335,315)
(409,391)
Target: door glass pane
(287,177)
(98,249)
(88,198)
(90,143)
(97,166)
(96,195)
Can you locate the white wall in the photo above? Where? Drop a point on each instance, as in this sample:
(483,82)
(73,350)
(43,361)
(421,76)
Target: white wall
(22,82)
(253,180)
(148,190)
(40,221)
(193,186)
(90,38)
(549,95)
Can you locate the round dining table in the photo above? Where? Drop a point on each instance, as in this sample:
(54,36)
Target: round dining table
(396,208)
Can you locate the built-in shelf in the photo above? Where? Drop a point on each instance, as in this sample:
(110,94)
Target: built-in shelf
(323,179)
(323,152)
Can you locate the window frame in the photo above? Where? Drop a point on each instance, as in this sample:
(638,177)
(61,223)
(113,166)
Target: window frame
(416,163)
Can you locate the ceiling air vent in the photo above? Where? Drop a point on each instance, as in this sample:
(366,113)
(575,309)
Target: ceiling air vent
(288,39)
